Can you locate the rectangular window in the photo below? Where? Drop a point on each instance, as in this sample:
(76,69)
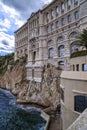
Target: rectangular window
(62,7)
(75,2)
(32,73)
(47,17)
(33,57)
(57,11)
(69,2)
(80,103)
(83,67)
(69,18)
(73,67)
(77,67)
(63,21)
(57,24)
(52,14)
(76,15)
(48,29)
(52,26)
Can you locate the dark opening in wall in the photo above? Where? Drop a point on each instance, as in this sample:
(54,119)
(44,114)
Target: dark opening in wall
(77,67)
(34,56)
(32,73)
(80,103)
(73,67)
(84,67)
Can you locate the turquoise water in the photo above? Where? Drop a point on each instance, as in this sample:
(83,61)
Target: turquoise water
(16,117)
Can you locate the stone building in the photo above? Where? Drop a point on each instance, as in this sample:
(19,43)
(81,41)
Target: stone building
(21,41)
(51,34)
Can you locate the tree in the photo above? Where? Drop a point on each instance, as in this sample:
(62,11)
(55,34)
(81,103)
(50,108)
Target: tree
(82,38)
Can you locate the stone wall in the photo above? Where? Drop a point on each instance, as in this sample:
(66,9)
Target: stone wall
(80,123)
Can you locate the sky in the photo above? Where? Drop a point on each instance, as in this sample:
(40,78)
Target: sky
(13,14)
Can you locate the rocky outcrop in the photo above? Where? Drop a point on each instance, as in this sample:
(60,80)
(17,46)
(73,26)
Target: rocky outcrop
(45,93)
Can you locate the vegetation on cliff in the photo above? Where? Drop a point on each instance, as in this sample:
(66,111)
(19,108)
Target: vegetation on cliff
(5,61)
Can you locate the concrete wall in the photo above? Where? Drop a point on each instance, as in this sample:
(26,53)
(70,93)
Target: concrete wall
(78,60)
(72,83)
(80,123)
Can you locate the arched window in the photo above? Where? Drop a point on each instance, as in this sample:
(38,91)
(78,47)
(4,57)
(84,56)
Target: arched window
(50,53)
(61,51)
(80,103)
(61,63)
(60,38)
(73,35)
(74,47)
(50,43)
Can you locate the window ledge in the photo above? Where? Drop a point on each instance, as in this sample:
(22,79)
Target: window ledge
(79,92)
(77,112)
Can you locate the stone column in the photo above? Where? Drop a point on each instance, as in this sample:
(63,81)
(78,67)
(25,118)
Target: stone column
(28,44)
(40,49)
(55,48)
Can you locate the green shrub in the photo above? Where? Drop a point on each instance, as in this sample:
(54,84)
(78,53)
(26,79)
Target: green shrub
(4,61)
(79,53)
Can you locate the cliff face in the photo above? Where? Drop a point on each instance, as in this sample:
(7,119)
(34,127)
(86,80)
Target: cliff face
(45,93)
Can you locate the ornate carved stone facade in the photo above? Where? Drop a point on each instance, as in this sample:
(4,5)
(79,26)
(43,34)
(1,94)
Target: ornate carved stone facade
(21,41)
(51,34)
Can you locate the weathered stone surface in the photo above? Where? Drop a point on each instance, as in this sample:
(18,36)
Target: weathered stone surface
(45,93)
(80,123)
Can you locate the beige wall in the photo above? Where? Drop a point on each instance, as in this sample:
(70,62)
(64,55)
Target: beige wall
(78,60)
(72,83)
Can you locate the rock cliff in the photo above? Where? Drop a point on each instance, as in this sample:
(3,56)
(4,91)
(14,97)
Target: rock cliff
(45,93)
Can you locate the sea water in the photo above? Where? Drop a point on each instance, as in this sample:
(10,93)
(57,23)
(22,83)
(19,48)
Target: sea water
(18,117)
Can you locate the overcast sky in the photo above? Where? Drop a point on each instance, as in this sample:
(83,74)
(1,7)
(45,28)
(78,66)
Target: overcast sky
(13,14)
